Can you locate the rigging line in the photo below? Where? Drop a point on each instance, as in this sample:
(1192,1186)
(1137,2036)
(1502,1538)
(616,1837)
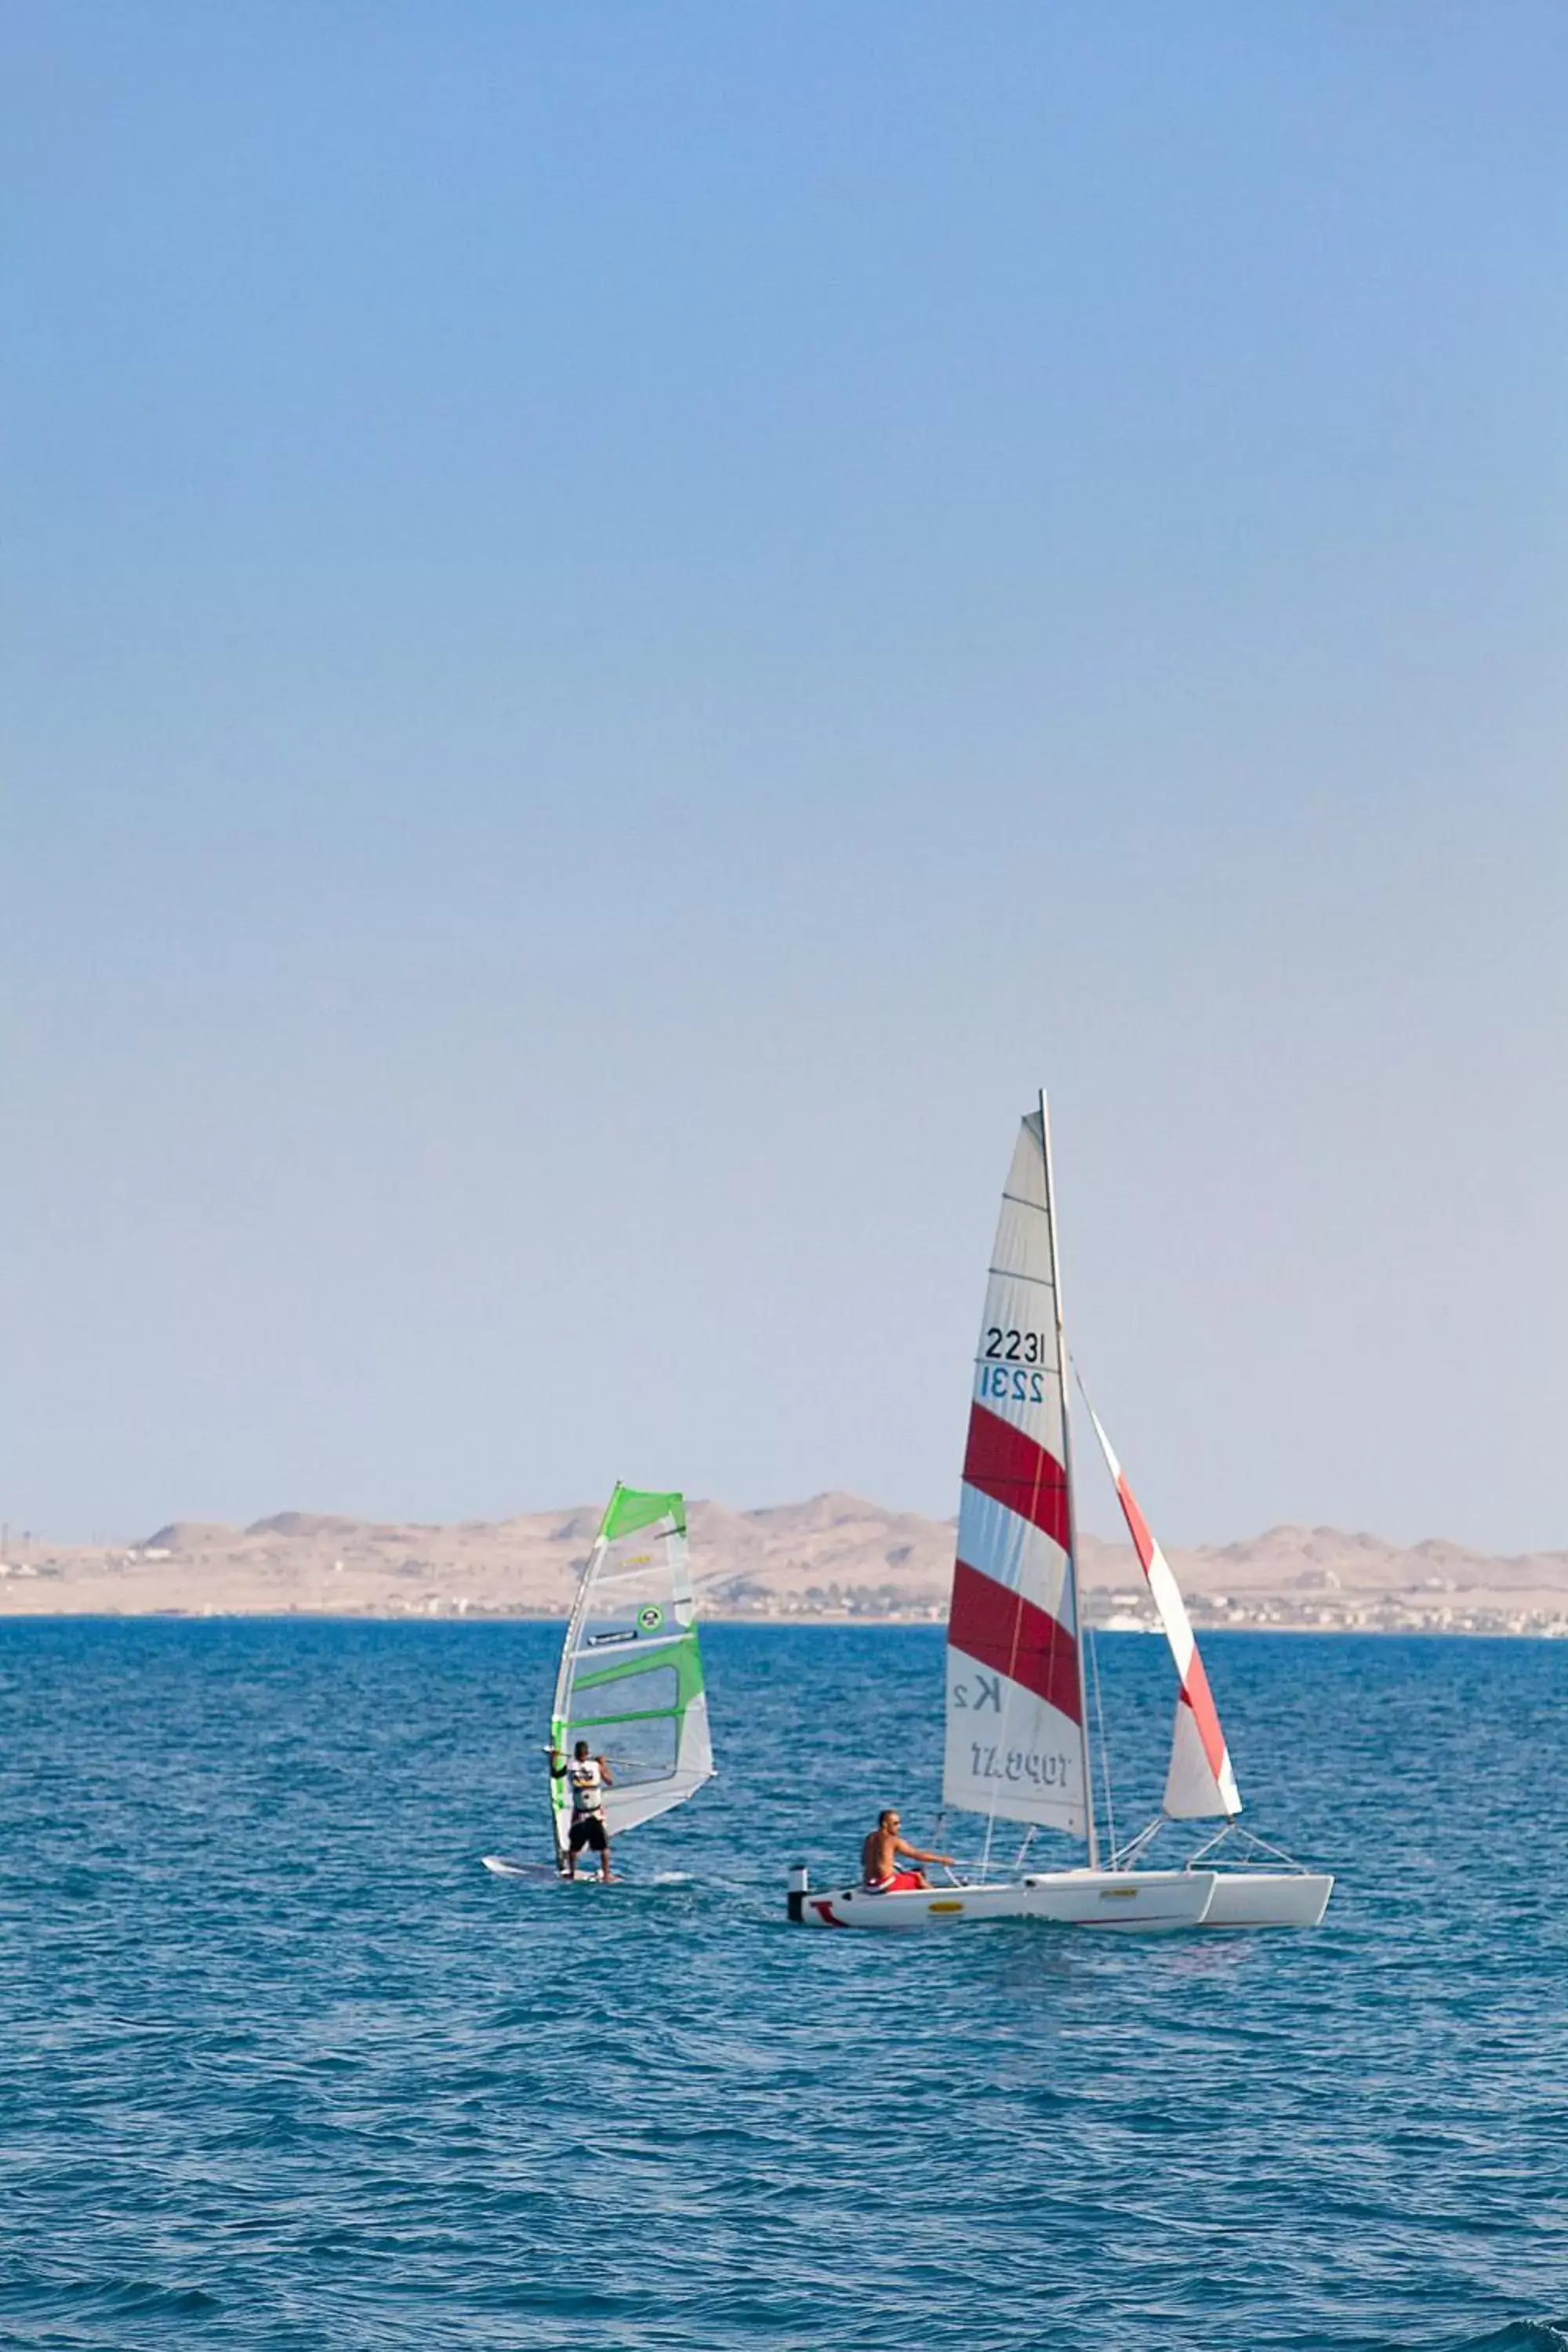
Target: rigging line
(1007,1716)
(1018,1602)
(1099,1728)
(1090,1838)
(1012,1680)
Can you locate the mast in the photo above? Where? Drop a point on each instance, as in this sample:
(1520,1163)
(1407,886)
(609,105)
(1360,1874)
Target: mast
(579,1604)
(1067,1472)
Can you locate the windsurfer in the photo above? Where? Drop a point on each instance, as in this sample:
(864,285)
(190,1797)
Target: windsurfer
(879,1858)
(588,1777)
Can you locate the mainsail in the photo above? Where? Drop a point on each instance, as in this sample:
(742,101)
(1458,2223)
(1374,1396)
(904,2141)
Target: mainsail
(1199,1785)
(630,1681)
(1015,1731)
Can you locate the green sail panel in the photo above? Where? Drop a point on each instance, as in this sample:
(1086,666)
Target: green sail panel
(629,1510)
(630,1681)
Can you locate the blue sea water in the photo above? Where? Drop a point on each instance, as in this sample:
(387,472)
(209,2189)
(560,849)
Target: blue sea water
(282,2066)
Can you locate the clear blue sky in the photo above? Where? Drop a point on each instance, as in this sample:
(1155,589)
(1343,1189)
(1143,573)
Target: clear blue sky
(624,624)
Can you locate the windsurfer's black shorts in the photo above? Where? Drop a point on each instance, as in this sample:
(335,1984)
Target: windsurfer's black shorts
(588,1831)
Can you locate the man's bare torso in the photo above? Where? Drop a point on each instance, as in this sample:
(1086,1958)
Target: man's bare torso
(878,1856)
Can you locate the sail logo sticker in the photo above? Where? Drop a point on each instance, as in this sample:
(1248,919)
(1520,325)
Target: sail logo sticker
(650,1618)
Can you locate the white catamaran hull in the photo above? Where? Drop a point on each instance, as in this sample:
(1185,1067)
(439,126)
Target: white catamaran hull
(1268,1898)
(1147,1901)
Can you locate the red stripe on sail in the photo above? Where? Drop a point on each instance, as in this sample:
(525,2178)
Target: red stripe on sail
(1196,1691)
(1137,1524)
(1012,1468)
(1001,1630)
(1205,1715)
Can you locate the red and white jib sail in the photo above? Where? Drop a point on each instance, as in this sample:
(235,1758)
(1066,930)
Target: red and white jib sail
(1015,1693)
(1200,1783)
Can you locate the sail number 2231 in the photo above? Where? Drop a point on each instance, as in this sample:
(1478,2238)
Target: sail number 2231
(1015,1347)
(1011,1382)
(1008,1366)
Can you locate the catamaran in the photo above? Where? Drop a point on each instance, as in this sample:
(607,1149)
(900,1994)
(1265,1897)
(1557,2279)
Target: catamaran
(630,1676)
(1019,1745)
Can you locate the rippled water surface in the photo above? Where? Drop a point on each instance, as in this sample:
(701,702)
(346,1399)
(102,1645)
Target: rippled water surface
(281,2065)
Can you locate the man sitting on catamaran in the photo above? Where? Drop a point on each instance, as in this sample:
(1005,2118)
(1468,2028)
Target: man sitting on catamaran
(880,1859)
(589,1776)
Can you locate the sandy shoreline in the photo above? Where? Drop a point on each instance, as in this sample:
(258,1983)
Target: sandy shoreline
(834,1559)
(1550,1629)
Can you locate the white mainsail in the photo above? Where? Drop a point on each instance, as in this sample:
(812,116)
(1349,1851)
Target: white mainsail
(1016,1745)
(630,1679)
(1199,1783)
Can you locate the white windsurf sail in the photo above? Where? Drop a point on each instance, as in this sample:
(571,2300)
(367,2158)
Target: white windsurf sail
(630,1681)
(1199,1784)
(1017,1738)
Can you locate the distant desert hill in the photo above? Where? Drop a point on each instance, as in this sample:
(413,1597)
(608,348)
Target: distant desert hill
(835,1556)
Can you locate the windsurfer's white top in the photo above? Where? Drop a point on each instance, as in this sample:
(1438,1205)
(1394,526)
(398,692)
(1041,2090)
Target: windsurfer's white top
(587,1782)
